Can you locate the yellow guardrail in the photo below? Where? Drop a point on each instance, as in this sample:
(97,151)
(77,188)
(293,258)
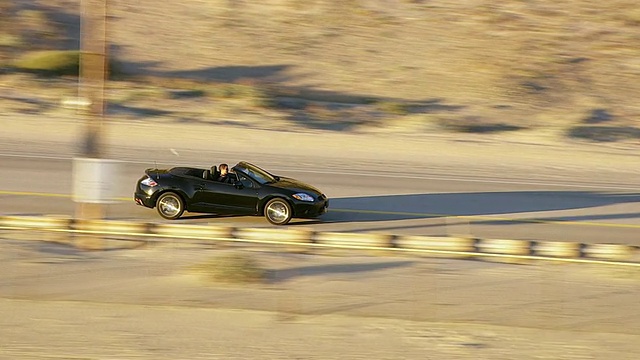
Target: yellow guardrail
(504,250)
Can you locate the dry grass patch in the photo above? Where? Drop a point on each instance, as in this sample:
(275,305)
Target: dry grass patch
(603,134)
(49,62)
(236,267)
(54,63)
(133,94)
(475,124)
(10,40)
(393,107)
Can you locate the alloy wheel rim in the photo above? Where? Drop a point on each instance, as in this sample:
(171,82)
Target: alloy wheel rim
(170,206)
(277,212)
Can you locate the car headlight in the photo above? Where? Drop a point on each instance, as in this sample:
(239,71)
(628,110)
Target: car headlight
(303,197)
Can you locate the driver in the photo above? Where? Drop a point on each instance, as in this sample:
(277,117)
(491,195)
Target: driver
(224,174)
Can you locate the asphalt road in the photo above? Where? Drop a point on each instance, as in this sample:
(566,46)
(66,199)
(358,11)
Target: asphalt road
(422,201)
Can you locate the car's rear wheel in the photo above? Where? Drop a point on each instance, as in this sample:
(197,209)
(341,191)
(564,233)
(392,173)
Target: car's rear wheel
(278,211)
(170,206)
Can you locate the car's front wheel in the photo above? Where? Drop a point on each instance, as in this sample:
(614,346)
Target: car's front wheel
(170,206)
(278,211)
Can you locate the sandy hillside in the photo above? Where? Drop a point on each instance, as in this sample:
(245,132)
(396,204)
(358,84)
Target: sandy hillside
(535,64)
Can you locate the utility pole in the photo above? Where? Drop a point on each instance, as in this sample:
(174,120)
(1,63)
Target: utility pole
(93,71)
(90,184)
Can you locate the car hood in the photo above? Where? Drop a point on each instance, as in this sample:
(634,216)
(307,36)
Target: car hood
(295,185)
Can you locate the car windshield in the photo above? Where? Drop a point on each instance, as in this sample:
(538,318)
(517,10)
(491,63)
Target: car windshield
(256,173)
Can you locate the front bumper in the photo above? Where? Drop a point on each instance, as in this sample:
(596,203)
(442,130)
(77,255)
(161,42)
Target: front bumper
(310,210)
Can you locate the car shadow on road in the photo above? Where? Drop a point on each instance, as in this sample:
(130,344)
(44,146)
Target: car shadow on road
(282,275)
(424,206)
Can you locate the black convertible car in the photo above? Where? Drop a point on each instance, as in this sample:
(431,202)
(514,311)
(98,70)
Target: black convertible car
(250,191)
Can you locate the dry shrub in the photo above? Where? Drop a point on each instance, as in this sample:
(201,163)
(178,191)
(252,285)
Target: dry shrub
(231,268)
(475,124)
(54,63)
(49,62)
(393,107)
(604,134)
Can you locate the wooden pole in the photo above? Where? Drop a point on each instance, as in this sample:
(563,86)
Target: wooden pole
(92,76)
(93,71)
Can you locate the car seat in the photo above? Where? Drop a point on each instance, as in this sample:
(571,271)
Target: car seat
(206,175)
(214,173)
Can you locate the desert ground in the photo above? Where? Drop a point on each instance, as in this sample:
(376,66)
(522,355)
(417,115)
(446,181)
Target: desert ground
(538,83)
(536,69)
(152,303)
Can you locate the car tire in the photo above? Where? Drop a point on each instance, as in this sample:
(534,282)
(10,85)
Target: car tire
(170,206)
(278,211)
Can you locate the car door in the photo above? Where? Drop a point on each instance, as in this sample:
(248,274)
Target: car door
(206,195)
(239,197)
(229,198)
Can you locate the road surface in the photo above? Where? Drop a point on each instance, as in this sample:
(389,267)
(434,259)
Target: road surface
(419,186)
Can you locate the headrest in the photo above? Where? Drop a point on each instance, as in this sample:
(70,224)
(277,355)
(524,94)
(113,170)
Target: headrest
(206,175)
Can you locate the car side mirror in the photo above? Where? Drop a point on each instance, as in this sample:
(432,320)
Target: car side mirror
(238,185)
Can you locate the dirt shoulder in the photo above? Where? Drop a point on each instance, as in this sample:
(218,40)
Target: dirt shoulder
(146,303)
(94,331)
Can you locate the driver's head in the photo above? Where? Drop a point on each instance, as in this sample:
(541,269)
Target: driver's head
(224,169)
